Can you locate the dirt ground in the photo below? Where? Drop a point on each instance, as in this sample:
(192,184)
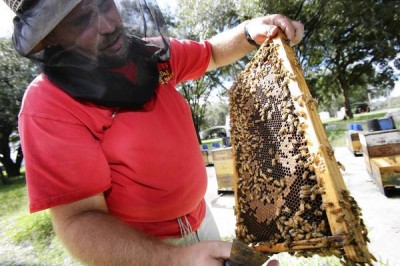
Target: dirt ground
(380,214)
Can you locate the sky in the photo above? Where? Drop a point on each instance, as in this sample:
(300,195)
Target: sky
(6,26)
(6,16)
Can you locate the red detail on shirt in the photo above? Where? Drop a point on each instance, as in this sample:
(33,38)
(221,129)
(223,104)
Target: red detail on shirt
(147,162)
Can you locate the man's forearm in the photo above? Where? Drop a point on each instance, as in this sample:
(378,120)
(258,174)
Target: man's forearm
(97,238)
(229,46)
(232,45)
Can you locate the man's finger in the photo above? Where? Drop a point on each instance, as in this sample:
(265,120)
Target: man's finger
(285,24)
(299,31)
(273,263)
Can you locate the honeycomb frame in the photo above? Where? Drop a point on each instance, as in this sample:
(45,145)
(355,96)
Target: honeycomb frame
(289,192)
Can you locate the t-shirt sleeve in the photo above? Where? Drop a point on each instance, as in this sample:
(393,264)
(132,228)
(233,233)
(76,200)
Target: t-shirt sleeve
(64,162)
(189,59)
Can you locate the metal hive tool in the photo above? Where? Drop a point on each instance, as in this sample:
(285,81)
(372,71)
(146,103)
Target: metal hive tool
(290,194)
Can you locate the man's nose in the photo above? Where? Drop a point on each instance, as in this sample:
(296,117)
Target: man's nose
(105,25)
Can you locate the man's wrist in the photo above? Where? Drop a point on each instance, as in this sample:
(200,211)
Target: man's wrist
(249,38)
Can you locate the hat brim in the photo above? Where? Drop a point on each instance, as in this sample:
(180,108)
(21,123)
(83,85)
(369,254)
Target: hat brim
(32,26)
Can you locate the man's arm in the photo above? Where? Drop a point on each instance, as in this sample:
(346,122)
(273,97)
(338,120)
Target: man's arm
(232,45)
(95,237)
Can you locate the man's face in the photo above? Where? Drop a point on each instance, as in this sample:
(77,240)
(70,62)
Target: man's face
(93,29)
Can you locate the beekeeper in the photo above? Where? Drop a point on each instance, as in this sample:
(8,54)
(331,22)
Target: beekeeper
(109,143)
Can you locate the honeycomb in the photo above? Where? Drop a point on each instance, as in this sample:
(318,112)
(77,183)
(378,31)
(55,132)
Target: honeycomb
(280,196)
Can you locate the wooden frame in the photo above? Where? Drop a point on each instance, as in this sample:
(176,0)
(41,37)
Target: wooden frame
(347,233)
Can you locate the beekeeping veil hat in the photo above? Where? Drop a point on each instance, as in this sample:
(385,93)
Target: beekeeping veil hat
(140,25)
(32,25)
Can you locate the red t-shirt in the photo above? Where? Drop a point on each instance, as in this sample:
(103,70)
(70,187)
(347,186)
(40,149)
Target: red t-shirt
(147,163)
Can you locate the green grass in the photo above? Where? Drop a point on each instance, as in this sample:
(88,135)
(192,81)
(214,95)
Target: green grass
(29,238)
(12,196)
(35,228)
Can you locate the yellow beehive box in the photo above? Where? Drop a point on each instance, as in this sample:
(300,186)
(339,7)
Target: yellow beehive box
(386,171)
(353,142)
(204,155)
(223,163)
(379,144)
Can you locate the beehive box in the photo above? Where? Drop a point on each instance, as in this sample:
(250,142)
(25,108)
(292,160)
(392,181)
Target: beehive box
(204,155)
(353,142)
(386,171)
(223,164)
(379,144)
(290,195)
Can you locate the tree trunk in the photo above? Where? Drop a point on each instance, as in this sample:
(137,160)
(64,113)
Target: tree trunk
(12,169)
(20,157)
(345,91)
(196,124)
(349,113)
(3,179)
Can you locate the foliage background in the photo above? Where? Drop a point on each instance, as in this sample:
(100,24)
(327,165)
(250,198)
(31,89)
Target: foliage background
(350,51)
(15,74)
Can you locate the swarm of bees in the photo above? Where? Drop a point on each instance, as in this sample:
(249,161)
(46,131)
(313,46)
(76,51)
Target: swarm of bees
(279,195)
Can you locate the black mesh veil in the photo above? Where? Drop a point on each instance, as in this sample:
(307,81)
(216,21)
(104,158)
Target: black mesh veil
(87,40)
(143,18)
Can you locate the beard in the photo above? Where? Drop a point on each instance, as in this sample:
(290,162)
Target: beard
(115,59)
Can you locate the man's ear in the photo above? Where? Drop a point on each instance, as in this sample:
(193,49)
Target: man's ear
(50,40)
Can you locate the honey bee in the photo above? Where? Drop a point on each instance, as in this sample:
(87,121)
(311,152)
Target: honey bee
(305,153)
(301,114)
(322,226)
(277,183)
(298,219)
(284,83)
(296,98)
(270,151)
(305,174)
(326,205)
(289,222)
(287,210)
(341,166)
(282,131)
(282,219)
(260,180)
(312,177)
(318,213)
(298,213)
(297,157)
(317,235)
(312,101)
(313,197)
(340,219)
(338,254)
(337,211)
(300,236)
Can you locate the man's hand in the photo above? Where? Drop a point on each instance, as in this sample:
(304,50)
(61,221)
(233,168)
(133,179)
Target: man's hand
(95,237)
(267,27)
(210,253)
